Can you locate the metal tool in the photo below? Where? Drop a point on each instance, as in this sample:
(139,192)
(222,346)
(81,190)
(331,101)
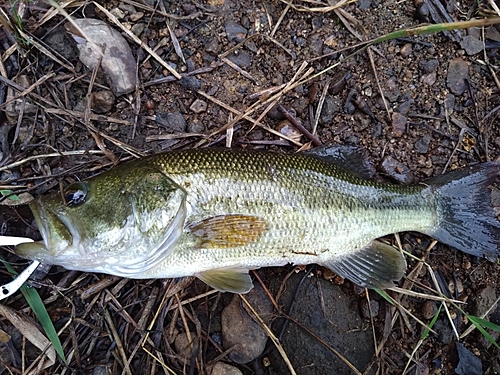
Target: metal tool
(9,289)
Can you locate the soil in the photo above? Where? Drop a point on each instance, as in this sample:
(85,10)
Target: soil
(440,113)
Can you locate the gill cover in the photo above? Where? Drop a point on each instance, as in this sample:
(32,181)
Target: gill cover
(123,222)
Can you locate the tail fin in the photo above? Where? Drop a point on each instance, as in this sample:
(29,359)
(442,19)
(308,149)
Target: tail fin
(465,213)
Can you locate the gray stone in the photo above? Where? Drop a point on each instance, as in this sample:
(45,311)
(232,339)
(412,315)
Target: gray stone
(428,66)
(173,121)
(391,90)
(471,45)
(482,300)
(396,170)
(242,59)
(398,124)
(134,17)
(235,32)
(198,106)
(458,72)
(240,332)
(329,110)
(221,368)
(422,145)
(102,101)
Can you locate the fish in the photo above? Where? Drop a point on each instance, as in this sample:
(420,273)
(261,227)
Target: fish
(218,213)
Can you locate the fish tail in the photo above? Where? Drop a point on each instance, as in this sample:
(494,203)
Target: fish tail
(466,219)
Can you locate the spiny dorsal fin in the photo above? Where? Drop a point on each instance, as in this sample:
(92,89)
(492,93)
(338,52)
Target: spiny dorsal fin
(375,266)
(226,231)
(234,280)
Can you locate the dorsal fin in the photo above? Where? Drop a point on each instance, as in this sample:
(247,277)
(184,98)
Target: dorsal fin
(350,158)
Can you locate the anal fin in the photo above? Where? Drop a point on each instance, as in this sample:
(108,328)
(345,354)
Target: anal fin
(234,280)
(375,266)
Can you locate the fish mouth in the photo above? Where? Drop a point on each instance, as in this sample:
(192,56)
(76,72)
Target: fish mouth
(56,235)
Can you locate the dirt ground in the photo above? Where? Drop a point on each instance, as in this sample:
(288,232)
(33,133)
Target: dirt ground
(61,121)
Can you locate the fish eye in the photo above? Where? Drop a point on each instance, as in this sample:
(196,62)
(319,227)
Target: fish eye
(75,194)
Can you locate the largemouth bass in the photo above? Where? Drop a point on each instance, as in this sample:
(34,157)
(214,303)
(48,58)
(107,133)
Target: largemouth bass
(216,214)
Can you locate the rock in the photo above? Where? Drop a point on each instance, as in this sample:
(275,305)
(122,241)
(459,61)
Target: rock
(406,50)
(195,127)
(365,4)
(429,79)
(240,331)
(134,17)
(118,62)
(242,59)
(428,66)
(235,32)
(471,45)
(482,300)
(404,107)
(213,46)
(198,106)
(398,124)
(329,110)
(183,346)
(102,101)
(325,309)
(100,370)
(468,363)
(396,170)
(429,309)
(173,121)
(365,308)
(138,28)
(458,72)
(118,13)
(221,368)
(191,83)
(443,331)
(391,90)
(422,145)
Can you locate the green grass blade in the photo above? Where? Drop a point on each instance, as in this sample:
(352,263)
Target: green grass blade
(479,323)
(38,308)
(431,324)
(387,297)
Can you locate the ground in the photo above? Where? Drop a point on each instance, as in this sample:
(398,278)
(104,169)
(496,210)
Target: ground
(62,121)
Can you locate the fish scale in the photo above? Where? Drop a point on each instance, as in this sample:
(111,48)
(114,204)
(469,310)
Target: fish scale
(216,214)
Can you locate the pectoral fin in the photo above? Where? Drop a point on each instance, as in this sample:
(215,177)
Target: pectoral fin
(375,266)
(226,231)
(234,280)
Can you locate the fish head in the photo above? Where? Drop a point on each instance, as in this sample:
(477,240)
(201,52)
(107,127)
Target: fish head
(123,222)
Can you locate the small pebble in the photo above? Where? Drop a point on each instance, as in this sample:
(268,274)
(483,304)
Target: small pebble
(429,79)
(365,308)
(118,13)
(407,50)
(221,368)
(398,124)
(235,32)
(391,90)
(429,309)
(198,106)
(471,45)
(173,121)
(458,73)
(242,59)
(396,170)
(134,17)
(240,332)
(329,110)
(428,66)
(183,346)
(102,101)
(422,145)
